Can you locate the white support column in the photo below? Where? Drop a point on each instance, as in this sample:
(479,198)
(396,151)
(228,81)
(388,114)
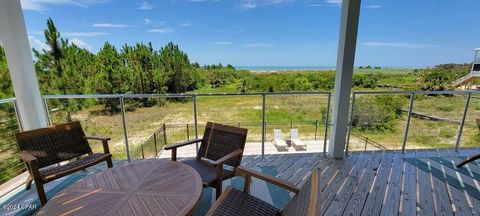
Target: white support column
(343,79)
(20,64)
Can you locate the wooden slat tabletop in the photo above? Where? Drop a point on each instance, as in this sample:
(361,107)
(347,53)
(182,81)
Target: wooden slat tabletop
(150,187)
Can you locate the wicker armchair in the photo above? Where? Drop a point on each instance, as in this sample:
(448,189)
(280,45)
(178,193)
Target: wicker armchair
(44,147)
(237,203)
(220,145)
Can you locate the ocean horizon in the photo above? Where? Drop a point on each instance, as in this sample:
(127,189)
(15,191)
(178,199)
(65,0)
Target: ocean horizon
(309,68)
(284,68)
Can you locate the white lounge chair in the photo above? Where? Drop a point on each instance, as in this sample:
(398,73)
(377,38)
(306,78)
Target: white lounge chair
(295,139)
(278,139)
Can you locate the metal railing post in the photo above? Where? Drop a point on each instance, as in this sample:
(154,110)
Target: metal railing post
(155,143)
(47,111)
(460,129)
(164,127)
(316,129)
(263,125)
(350,124)
(188,133)
(195,121)
(407,125)
(366,143)
(124,123)
(143,153)
(15,109)
(327,122)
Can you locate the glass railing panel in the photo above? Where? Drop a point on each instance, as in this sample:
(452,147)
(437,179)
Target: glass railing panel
(237,110)
(471,130)
(302,116)
(435,120)
(98,116)
(155,122)
(378,121)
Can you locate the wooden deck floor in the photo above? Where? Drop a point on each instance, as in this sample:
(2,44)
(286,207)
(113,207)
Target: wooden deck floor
(369,183)
(377,183)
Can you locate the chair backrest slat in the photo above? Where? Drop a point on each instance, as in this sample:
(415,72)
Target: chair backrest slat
(307,200)
(294,133)
(220,140)
(277,134)
(54,144)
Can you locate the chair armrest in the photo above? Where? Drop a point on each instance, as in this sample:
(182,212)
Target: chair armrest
(248,173)
(32,165)
(93,137)
(27,157)
(104,140)
(224,159)
(177,145)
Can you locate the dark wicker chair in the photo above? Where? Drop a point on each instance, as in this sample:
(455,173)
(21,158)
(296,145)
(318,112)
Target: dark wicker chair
(220,145)
(472,157)
(237,203)
(42,148)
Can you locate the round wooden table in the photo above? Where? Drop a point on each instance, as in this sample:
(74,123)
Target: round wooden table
(149,187)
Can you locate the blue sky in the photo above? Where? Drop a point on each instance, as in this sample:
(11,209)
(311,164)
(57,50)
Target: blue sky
(269,32)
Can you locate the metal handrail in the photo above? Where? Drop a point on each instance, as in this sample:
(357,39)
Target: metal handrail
(78,96)
(370,141)
(449,92)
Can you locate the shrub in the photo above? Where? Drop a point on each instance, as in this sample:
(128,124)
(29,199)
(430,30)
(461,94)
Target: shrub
(376,113)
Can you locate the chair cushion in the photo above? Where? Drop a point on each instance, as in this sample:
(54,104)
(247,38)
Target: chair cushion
(208,173)
(51,173)
(239,203)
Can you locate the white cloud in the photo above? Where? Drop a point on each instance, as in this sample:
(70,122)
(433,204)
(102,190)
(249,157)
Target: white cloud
(222,43)
(250,4)
(84,34)
(109,25)
(162,30)
(146,6)
(80,43)
(147,21)
(398,45)
(313,5)
(255,45)
(42,5)
(186,24)
(334,2)
(37,44)
(373,6)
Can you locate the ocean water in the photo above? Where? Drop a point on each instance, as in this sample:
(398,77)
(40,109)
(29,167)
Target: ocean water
(284,68)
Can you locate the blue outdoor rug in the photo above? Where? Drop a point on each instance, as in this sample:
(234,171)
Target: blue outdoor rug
(28,200)
(465,178)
